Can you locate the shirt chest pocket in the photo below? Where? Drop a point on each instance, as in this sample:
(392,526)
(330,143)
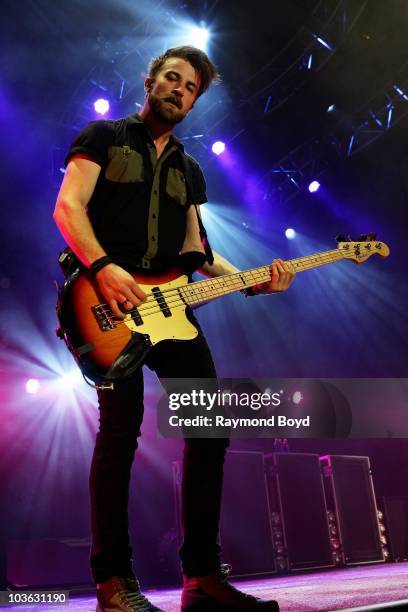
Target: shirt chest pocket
(176,186)
(125,165)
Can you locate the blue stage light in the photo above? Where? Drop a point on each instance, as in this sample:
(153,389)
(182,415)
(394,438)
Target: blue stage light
(324,43)
(71,379)
(314,186)
(101,106)
(331,108)
(198,36)
(218,147)
(290,233)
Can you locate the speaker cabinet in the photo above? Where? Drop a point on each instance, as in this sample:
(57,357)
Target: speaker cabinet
(396,522)
(51,561)
(350,495)
(298,511)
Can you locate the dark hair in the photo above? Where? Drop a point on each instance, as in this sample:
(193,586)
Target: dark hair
(197,58)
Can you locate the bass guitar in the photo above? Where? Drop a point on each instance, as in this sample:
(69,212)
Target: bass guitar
(107,348)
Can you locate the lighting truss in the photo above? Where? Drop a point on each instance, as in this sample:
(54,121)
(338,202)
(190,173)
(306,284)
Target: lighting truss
(381,113)
(295,171)
(308,51)
(350,135)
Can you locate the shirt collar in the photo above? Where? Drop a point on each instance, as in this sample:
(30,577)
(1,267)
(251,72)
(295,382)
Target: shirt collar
(137,120)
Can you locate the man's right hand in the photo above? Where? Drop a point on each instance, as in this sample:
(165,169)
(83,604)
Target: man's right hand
(120,289)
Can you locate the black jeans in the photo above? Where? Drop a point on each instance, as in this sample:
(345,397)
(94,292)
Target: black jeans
(121,414)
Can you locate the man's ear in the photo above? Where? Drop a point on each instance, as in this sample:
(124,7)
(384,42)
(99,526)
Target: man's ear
(148,84)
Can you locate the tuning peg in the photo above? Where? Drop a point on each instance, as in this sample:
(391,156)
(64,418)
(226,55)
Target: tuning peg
(363,238)
(371,236)
(340,238)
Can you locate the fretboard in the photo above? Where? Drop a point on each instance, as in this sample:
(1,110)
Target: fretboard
(207,290)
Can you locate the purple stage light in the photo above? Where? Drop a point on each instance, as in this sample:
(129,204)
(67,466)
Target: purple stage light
(101,106)
(314,186)
(218,147)
(32,386)
(297,397)
(290,233)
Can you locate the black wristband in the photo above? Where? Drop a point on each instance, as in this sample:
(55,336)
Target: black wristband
(98,264)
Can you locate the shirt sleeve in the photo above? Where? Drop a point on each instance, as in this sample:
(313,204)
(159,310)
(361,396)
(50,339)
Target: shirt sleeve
(94,141)
(197,185)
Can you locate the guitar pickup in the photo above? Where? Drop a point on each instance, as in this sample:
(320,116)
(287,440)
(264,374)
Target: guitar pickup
(160,299)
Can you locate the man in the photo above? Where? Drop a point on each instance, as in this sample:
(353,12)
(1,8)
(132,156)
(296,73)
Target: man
(127,203)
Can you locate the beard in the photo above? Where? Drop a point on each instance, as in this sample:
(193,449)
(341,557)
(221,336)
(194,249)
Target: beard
(165,112)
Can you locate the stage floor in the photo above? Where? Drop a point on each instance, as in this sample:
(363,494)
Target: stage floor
(340,589)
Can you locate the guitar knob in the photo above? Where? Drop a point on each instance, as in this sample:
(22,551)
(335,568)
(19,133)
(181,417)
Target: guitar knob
(371,236)
(363,238)
(340,238)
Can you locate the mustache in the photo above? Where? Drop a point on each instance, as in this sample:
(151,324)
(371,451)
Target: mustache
(174,101)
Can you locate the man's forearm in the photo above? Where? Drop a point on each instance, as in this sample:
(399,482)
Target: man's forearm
(73,222)
(219,267)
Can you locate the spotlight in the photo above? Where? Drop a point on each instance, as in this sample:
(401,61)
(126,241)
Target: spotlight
(101,106)
(297,397)
(314,186)
(218,147)
(324,43)
(290,233)
(198,37)
(331,108)
(32,386)
(71,379)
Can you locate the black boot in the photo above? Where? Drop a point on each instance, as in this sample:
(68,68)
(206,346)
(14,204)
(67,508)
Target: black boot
(213,593)
(122,595)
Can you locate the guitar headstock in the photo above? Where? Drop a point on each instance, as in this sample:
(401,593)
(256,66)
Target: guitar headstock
(363,249)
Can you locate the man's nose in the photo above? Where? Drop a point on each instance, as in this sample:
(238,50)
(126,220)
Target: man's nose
(179,91)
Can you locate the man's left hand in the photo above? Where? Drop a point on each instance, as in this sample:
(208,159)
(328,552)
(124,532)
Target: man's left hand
(281,278)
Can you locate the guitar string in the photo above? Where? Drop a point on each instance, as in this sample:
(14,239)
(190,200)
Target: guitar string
(154,308)
(182,304)
(323,255)
(218,291)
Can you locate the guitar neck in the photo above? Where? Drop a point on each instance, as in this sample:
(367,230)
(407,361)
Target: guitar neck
(207,290)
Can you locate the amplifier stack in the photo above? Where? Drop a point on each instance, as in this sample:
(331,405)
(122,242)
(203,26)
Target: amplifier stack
(286,512)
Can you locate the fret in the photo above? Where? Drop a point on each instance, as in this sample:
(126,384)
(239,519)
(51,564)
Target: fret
(207,290)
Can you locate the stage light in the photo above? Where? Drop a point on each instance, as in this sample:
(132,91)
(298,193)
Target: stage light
(101,106)
(218,147)
(71,379)
(297,397)
(324,43)
(331,108)
(32,386)
(314,186)
(290,233)
(198,37)
(401,92)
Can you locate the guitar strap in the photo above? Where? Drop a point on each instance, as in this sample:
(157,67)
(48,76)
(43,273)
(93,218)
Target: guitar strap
(194,189)
(204,239)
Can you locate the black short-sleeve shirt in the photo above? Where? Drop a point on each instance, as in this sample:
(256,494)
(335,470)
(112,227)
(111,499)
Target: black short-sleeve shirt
(138,208)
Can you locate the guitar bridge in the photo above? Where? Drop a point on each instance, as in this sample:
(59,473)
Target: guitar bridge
(103,317)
